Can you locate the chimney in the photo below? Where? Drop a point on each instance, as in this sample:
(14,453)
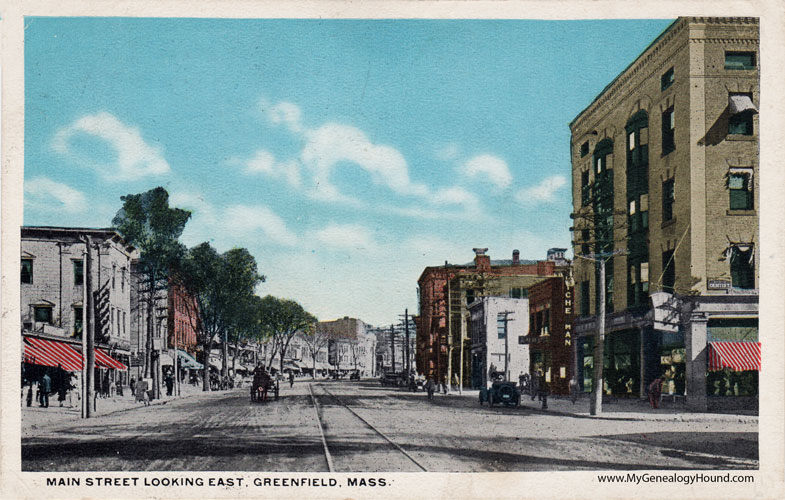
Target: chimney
(481,261)
(516,257)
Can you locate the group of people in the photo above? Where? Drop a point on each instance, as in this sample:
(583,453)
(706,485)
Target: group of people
(536,385)
(58,382)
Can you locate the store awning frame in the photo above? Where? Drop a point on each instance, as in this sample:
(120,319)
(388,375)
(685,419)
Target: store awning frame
(734,356)
(105,361)
(53,352)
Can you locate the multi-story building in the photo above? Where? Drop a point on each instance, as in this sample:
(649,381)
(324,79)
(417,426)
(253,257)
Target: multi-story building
(665,175)
(443,346)
(551,307)
(351,346)
(495,326)
(53,294)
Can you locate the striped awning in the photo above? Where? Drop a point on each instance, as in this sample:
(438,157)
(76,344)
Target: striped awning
(52,353)
(104,360)
(736,356)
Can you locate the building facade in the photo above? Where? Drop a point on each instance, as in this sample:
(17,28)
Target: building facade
(496,325)
(665,176)
(53,294)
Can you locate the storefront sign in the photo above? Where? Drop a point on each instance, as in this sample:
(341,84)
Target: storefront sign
(568,298)
(718,284)
(137,360)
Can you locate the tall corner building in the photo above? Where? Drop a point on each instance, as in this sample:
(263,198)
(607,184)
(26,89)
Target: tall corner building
(664,188)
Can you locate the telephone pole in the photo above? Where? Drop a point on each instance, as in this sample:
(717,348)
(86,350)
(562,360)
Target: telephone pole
(392,344)
(88,332)
(507,319)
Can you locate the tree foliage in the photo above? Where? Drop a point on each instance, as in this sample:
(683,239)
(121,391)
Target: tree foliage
(281,320)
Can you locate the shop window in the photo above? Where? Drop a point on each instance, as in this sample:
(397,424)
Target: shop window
(739,60)
(740,190)
(728,383)
(742,267)
(668,197)
(27,271)
(668,131)
(78,272)
(669,271)
(666,80)
(43,314)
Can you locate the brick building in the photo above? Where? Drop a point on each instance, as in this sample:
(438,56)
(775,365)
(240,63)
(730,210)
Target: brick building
(551,304)
(665,171)
(53,270)
(443,347)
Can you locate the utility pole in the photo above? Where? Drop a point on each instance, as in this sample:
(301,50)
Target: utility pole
(506,343)
(88,333)
(392,343)
(595,403)
(408,363)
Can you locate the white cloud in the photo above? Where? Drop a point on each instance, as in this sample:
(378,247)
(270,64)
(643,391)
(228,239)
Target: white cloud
(333,144)
(448,152)
(488,167)
(46,193)
(263,162)
(455,196)
(346,236)
(545,191)
(244,219)
(134,158)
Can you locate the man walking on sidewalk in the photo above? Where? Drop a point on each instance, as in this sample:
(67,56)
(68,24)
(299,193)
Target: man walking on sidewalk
(46,388)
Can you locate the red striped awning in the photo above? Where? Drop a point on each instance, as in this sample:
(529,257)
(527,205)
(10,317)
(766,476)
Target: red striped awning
(106,361)
(52,353)
(736,356)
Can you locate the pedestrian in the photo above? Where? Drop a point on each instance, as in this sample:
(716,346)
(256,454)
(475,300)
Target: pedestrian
(574,389)
(105,386)
(535,385)
(62,389)
(46,387)
(291,379)
(430,386)
(30,394)
(543,391)
(169,384)
(655,391)
(131,386)
(119,388)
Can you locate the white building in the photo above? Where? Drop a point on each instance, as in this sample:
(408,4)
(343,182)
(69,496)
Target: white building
(496,324)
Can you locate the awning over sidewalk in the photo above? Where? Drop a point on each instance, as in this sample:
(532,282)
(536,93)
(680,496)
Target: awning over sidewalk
(105,361)
(736,356)
(188,361)
(52,353)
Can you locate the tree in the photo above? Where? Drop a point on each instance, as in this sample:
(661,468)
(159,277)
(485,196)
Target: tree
(282,319)
(147,222)
(245,324)
(219,283)
(314,342)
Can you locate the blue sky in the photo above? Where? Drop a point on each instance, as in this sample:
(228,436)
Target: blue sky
(346,155)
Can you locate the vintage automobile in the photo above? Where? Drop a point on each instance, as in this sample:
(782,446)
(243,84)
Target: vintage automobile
(502,392)
(389,378)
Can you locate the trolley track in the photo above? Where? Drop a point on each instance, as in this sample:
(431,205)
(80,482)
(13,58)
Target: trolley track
(321,423)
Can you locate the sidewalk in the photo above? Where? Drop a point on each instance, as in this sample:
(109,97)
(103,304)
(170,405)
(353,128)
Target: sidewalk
(35,416)
(621,409)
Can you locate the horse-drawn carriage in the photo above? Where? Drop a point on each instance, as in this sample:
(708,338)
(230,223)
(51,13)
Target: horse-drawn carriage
(262,384)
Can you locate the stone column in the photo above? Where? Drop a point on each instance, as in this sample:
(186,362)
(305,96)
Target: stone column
(695,337)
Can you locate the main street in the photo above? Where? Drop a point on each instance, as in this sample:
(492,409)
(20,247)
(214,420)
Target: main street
(362,426)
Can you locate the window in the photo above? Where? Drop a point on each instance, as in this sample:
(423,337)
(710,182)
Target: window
(585,188)
(27,270)
(598,163)
(584,149)
(644,210)
(517,293)
(469,296)
(741,110)
(124,320)
(740,189)
(501,326)
(668,197)
(742,267)
(111,320)
(114,275)
(43,314)
(667,79)
(78,313)
(645,277)
(668,127)
(740,60)
(78,272)
(669,271)
(584,298)
(546,322)
(585,239)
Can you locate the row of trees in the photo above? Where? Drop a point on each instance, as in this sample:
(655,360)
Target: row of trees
(222,286)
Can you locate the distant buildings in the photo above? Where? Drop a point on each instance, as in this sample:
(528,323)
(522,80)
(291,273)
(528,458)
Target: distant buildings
(351,346)
(665,172)
(443,343)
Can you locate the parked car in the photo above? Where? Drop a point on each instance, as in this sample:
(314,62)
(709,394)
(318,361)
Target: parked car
(501,392)
(389,378)
(354,376)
